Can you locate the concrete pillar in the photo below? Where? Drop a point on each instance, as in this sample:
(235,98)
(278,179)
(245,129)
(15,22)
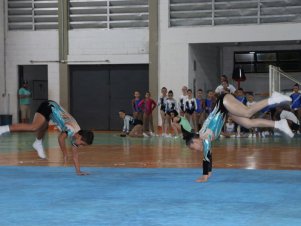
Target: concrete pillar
(153,52)
(63,54)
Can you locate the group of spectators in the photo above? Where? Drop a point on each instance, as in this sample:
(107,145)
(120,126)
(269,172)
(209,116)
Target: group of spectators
(197,108)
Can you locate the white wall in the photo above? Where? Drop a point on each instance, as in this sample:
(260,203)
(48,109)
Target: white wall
(121,46)
(2,85)
(24,47)
(207,68)
(125,46)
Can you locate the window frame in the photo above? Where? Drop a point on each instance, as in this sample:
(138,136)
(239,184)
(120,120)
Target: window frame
(256,65)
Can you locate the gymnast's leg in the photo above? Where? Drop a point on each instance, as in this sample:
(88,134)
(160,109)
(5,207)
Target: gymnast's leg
(35,126)
(235,107)
(259,123)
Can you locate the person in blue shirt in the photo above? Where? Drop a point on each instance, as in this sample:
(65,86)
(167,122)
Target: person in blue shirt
(227,104)
(296,101)
(52,111)
(200,109)
(137,111)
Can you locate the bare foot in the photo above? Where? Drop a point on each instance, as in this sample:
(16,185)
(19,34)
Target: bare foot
(202,179)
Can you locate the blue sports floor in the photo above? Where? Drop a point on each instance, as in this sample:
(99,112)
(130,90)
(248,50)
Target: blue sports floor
(40,196)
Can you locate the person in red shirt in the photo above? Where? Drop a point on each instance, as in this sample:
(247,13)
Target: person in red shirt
(148,105)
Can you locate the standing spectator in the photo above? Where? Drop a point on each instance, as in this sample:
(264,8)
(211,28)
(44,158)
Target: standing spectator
(171,106)
(240,96)
(182,100)
(296,101)
(190,106)
(225,85)
(220,88)
(25,101)
(200,110)
(162,104)
(148,105)
(209,102)
(137,111)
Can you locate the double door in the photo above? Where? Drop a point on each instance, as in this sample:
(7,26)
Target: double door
(99,92)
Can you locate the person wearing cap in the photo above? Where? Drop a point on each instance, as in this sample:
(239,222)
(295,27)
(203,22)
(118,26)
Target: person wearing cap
(25,101)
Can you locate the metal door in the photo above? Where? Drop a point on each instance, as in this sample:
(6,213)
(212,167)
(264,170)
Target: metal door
(124,81)
(89,96)
(99,92)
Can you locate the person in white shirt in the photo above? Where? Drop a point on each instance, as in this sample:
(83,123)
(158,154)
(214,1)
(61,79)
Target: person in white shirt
(171,106)
(189,108)
(229,128)
(131,126)
(220,89)
(182,99)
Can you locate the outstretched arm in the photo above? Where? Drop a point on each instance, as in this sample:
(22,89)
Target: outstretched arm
(62,137)
(76,162)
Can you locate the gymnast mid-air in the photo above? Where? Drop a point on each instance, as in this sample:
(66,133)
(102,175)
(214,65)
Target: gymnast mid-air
(241,114)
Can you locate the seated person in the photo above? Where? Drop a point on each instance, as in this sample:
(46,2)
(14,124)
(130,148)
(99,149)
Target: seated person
(229,128)
(129,121)
(283,112)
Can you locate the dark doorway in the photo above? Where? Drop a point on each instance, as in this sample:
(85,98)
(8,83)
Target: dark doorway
(99,92)
(37,77)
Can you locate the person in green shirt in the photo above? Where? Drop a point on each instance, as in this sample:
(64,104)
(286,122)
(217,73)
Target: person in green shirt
(25,101)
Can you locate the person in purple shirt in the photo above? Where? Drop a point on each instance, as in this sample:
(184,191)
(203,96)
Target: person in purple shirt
(137,111)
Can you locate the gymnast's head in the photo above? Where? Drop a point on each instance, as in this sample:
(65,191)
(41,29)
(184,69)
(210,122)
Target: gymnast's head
(83,138)
(193,142)
(121,114)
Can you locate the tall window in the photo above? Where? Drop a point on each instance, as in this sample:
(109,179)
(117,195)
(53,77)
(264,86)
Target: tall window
(259,61)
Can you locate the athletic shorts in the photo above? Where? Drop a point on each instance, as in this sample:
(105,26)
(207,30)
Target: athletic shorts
(189,111)
(45,110)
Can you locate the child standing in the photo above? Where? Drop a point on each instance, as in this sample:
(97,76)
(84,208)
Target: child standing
(171,106)
(162,104)
(137,111)
(147,105)
(182,100)
(209,102)
(190,106)
(296,101)
(200,110)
